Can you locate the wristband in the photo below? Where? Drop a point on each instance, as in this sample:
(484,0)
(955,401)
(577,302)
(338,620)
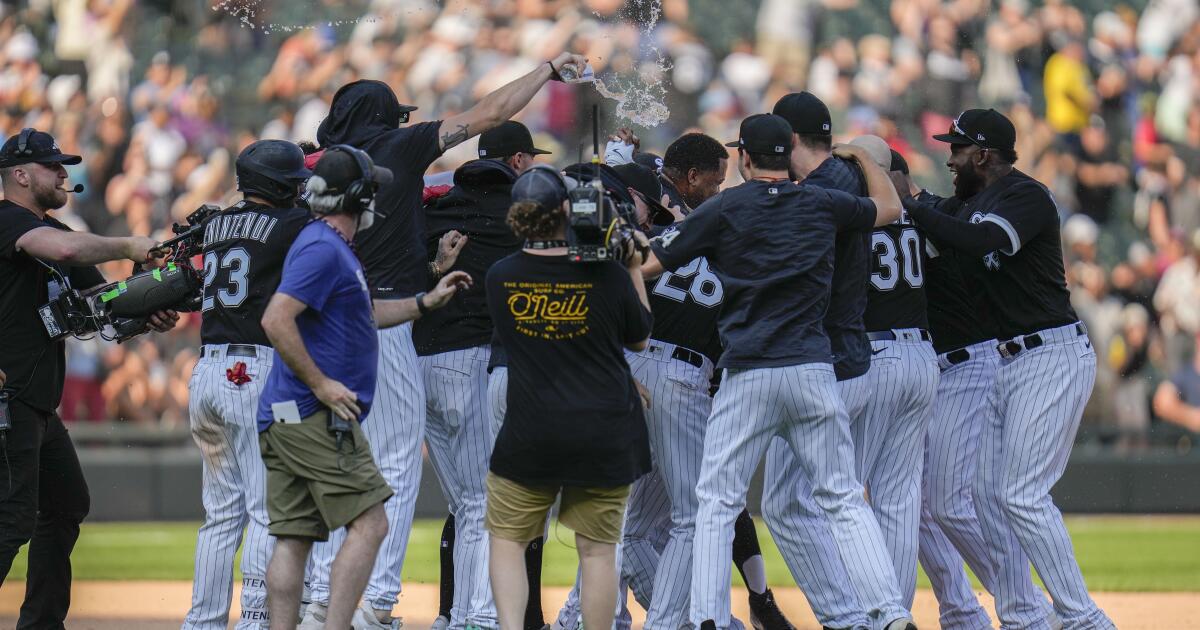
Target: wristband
(421,308)
(554,72)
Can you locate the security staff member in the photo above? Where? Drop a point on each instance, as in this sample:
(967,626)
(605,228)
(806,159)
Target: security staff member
(39,258)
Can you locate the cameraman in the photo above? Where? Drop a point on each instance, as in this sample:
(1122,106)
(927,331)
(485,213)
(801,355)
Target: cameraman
(244,246)
(574,419)
(320,473)
(39,258)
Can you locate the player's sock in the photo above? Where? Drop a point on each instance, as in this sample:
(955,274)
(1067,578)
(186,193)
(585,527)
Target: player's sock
(747,555)
(446,590)
(534,617)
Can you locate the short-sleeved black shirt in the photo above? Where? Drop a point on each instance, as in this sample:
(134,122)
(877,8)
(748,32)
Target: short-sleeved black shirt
(1024,283)
(244,249)
(33,364)
(687,303)
(574,416)
(958,314)
(851,268)
(771,246)
(896,293)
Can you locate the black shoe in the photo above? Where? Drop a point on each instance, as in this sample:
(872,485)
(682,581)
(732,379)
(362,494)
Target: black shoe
(708,625)
(765,613)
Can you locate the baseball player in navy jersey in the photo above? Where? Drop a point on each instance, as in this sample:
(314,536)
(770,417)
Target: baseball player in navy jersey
(796,521)
(759,238)
(453,347)
(1007,234)
(366,114)
(244,249)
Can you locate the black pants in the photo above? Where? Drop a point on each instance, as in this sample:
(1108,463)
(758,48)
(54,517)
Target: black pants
(43,498)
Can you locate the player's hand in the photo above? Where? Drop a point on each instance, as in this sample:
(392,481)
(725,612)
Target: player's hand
(144,250)
(675,210)
(163,321)
(338,398)
(579,61)
(852,152)
(637,250)
(626,135)
(450,284)
(449,247)
(643,393)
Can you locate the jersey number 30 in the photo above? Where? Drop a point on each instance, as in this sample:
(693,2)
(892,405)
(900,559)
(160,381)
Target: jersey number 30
(705,288)
(237,260)
(894,259)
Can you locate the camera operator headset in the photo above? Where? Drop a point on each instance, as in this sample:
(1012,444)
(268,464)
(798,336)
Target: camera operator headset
(41,258)
(244,249)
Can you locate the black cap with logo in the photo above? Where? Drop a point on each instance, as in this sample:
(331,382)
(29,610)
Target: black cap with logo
(509,138)
(764,134)
(985,128)
(32,145)
(806,113)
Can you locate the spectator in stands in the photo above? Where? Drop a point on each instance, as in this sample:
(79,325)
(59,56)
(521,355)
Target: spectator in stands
(1099,172)
(1069,95)
(1178,400)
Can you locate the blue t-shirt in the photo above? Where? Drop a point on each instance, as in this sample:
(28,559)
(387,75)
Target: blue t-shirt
(338,327)
(771,246)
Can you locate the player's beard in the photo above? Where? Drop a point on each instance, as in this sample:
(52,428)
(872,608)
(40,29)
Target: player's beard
(48,197)
(967,182)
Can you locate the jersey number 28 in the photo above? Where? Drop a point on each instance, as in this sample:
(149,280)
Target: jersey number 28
(237,260)
(893,259)
(705,288)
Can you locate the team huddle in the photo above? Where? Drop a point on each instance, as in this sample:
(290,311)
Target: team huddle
(909,365)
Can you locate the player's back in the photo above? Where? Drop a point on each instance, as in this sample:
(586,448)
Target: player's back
(896,293)
(244,249)
(686,304)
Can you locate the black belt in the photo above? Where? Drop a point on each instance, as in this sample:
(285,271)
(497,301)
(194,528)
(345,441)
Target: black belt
(888,335)
(688,356)
(1012,347)
(958,356)
(237,350)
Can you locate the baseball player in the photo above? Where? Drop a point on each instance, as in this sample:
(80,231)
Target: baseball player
(791,511)
(244,249)
(366,114)
(1006,235)
(453,351)
(773,256)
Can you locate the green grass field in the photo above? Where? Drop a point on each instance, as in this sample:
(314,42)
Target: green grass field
(1116,553)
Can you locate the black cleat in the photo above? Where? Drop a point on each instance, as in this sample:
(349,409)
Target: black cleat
(708,625)
(765,613)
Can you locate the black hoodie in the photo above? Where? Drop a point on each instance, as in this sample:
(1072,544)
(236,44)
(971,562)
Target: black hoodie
(477,206)
(366,115)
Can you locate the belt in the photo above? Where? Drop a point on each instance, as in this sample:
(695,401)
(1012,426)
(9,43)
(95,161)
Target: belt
(962,355)
(233,350)
(688,356)
(893,335)
(1017,345)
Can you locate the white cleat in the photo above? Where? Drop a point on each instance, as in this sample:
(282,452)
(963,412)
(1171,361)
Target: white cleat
(364,619)
(310,620)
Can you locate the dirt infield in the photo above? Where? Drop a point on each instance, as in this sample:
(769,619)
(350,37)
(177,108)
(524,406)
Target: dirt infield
(130,605)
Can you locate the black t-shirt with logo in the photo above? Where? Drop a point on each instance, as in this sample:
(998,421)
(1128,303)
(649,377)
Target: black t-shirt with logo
(771,246)
(574,415)
(958,315)
(1024,283)
(34,365)
(896,293)
(244,249)
(687,304)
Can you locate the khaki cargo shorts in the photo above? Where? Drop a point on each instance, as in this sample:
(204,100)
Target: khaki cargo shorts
(517,512)
(313,489)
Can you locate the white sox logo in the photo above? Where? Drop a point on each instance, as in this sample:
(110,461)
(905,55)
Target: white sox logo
(991,260)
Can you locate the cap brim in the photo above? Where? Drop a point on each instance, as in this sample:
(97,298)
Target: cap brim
(404,109)
(733,145)
(300,173)
(537,151)
(381,175)
(952,138)
(61,158)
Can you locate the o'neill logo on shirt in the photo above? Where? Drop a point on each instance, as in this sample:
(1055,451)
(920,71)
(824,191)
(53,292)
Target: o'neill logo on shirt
(549,310)
(992,260)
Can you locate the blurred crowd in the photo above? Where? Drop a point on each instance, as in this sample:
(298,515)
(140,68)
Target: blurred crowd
(159,96)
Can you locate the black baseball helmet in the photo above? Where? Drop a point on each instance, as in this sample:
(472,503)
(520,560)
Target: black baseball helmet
(271,169)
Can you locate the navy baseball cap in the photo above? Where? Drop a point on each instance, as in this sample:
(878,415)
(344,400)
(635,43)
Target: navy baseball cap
(985,128)
(807,114)
(649,160)
(899,164)
(508,138)
(764,134)
(32,145)
(342,165)
(542,185)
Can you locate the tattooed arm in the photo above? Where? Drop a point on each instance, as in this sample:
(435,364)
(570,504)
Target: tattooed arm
(500,105)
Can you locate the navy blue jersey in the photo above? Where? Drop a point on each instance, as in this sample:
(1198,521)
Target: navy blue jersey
(957,316)
(851,269)
(896,293)
(686,304)
(771,246)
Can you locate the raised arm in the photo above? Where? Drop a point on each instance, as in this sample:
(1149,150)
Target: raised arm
(390,313)
(879,185)
(81,248)
(502,104)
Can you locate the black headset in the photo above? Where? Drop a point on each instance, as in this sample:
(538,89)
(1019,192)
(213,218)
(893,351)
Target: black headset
(361,192)
(23,147)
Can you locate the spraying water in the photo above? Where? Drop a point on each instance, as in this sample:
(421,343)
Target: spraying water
(640,95)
